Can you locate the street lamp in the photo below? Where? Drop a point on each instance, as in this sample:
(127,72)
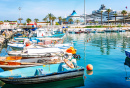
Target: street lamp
(19,12)
(84,14)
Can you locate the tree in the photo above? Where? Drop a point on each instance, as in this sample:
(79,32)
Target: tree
(108,11)
(36,20)
(50,17)
(77,21)
(57,23)
(28,20)
(70,20)
(53,19)
(60,18)
(20,19)
(101,17)
(45,19)
(115,17)
(124,12)
(63,19)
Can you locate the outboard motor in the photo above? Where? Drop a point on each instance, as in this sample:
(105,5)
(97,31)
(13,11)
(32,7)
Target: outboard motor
(76,56)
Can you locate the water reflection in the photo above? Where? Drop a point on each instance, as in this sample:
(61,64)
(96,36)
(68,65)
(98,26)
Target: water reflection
(89,72)
(127,63)
(105,41)
(71,83)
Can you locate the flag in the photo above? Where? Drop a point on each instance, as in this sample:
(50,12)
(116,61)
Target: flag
(126,7)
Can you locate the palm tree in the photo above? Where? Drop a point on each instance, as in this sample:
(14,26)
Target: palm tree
(28,20)
(36,20)
(101,17)
(53,19)
(108,11)
(60,18)
(115,17)
(20,19)
(63,19)
(77,21)
(45,19)
(124,12)
(70,20)
(50,17)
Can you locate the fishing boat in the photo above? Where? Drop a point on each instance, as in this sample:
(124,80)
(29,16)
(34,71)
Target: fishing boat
(87,30)
(12,62)
(37,42)
(41,33)
(42,74)
(8,65)
(71,83)
(35,52)
(127,53)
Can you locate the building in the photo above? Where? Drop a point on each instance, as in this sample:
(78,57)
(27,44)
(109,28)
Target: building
(74,16)
(8,25)
(96,15)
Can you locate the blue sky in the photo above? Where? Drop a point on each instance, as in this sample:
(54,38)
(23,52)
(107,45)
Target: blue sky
(40,8)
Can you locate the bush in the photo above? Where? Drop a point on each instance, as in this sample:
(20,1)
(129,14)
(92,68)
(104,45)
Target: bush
(57,23)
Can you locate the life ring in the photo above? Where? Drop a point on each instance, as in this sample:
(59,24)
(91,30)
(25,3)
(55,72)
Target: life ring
(69,63)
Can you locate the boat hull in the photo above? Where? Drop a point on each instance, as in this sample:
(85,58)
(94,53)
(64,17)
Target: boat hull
(44,79)
(127,53)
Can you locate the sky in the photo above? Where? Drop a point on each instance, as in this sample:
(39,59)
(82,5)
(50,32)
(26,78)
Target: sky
(40,8)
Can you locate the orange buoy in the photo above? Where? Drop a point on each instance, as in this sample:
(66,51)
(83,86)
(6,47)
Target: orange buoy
(87,40)
(89,67)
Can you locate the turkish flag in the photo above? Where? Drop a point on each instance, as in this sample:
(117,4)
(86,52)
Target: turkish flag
(126,7)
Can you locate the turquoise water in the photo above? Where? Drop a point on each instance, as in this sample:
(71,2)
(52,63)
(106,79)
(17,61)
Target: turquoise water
(105,51)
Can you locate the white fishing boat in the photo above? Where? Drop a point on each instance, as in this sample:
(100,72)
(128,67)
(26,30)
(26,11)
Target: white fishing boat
(34,52)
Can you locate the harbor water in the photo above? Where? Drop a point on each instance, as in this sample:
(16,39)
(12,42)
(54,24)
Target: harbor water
(105,51)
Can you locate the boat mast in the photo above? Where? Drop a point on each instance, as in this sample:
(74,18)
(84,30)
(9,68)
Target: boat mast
(84,14)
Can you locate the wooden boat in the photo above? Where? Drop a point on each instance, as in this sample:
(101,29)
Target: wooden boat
(71,83)
(127,53)
(13,62)
(7,65)
(41,74)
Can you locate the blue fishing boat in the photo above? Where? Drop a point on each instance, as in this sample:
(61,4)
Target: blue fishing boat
(71,83)
(42,74)
(127,53)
